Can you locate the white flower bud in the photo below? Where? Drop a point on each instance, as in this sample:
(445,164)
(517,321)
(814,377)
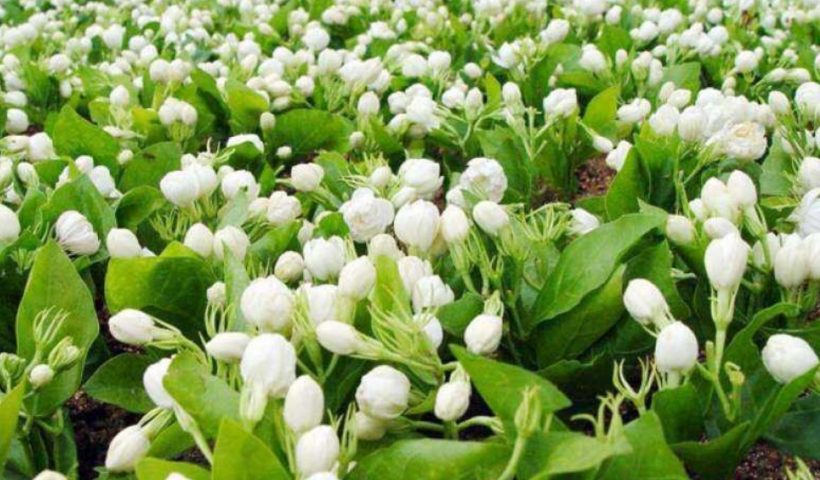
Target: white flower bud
(490,217)
(119,97)
(742,189)
(383,244)
(422,175)
(282,209)
(231,239)
(304,405)
(455,226)
(16,121)
(809,173)
(725,261)
(645,303)
(483,334)
(267,121)
(127,448)
(306,177)
(368,104)
(787,357)
(180,187)
(131,327)
(228,346)
(76,234)
(366,215)
(41,375)
(40,147)
(680,230)
(484,177)
(324,258)
(317,450)
(200,239)
(452,400)
(676,349)
(50,475)
(583,222)
(267,303)
(791,264)
(238,180)
(269,364)
(383,393)
(357,278)
(430,292)
(9,225)
(369,428)
(339,338)
(289,267)
(122,243)
(779,103)
(152,381)
(719,227)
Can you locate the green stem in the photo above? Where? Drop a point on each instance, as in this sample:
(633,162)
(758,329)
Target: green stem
(512,465)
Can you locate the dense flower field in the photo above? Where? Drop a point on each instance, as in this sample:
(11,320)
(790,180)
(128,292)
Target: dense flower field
(349,239)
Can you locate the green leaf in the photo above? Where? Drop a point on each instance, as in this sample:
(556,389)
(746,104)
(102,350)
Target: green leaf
(389,294)
(149,166)
(554,453)
(137,205)
(276,241)
(684,75)
(156,469)
(798,430)
(501,385)
(241,456)
(245,106)
(587,263)
(651,457)
(55,284)
(601,112)
(74,136)
(206,398)
(10,405)
(568,335)
(655,264)
(626,189)
(429,459)
(306,131)
(680,412)
(715,459)
(119,382)
(172,287)
(455,316)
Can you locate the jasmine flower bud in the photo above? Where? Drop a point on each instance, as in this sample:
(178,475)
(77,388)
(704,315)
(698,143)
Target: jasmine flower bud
(317,450)
(228,346)
(231,239)
(483,335)
(9,225)
(122,243)
(127,448)
(76,234)
(680,230)
(41,375)
(339,338)
(676,349)
(267,303)
(200,239)
(645,303)
(452,400)
(369,428)
(306,177)
(725,261)
(304,405)
(152,381)
(324,258)
(289,267)
(383,393)
(787,357)
(269,365)
(357,278)
(490,217)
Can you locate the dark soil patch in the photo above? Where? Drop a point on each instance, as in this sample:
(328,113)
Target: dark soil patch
(594,177)
(95,424)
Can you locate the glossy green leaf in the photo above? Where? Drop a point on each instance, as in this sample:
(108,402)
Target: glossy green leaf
(156,469)
(650,459)
(119,382)
(149,166)
(429,459)
(245,107)
(455,316)
(300,130)
(137,205)
(554,453)
(587,263)
(10,405)
(205,397)
(55,284)
(172,287)
(241,456)
(501,385)
(73,136)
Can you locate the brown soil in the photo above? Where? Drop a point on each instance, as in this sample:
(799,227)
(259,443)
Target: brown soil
(95,424)
(765,462)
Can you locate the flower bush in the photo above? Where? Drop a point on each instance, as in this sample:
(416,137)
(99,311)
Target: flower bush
(348,240)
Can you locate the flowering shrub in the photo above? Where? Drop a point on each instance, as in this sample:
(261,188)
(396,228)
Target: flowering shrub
(346,239)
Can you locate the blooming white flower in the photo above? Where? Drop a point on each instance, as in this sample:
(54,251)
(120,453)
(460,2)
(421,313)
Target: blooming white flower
(366,215)
(267,303)
(485,177)
(76,234)
(431,291)
(269,364)
(324,258)
(422,175)
(282,209)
